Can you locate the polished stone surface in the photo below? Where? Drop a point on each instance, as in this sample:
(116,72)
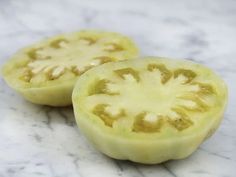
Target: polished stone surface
(44,141)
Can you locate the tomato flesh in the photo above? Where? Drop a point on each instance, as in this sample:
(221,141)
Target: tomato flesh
(149,110)
(45,73)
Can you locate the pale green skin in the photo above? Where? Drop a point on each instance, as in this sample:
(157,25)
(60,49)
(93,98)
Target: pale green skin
(57,92)
(147,148)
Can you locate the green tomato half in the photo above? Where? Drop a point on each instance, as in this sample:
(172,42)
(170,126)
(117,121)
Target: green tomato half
(45,72)
(149,110)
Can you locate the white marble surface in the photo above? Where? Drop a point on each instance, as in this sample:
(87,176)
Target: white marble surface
(43,141)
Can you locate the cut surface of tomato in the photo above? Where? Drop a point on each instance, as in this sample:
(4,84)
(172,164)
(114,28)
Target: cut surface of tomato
(149,110)
(45,72)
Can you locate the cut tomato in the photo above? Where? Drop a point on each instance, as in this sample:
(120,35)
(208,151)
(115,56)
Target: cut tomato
(149,110)
(45,73)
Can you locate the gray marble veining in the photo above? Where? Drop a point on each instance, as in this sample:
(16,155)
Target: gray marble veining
(43,141)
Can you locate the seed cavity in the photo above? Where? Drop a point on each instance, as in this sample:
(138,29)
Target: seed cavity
(181,122)
(75,69)
(189,74)
(33,53)
(59,43)
(108,118)
(34,69)
(79,71)
(101,87)
(56,72)
(165,73)
(87,40)
(205,89)
(27,74)
(148,123)
(193,103)
(36,54)
(112,47)
(128,74)
(104,59)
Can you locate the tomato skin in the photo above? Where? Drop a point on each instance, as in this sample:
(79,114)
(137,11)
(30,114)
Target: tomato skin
(52,96)
(146,152)
(127,149)
(141,147)
(57,82)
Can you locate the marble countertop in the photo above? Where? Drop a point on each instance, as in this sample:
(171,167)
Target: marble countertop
(44,141)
